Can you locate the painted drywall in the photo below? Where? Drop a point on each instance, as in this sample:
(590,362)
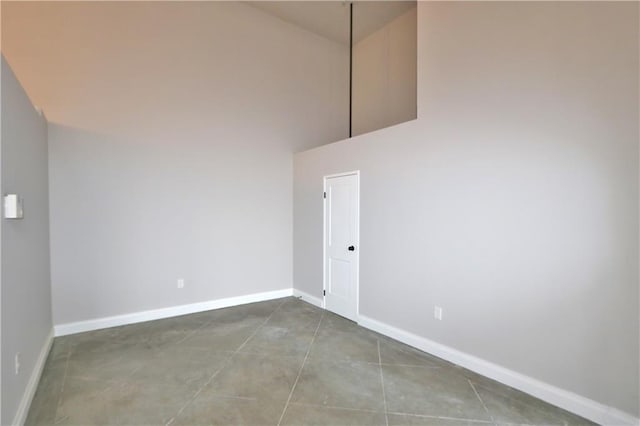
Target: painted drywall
(384,73)
(511,202)
(172,128)
(26,287)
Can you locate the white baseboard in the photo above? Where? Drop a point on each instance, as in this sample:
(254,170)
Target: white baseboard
(569,401)
(308,298)
(32,384)
(114,321)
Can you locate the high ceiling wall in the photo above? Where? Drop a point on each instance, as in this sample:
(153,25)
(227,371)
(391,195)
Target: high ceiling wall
(172,128)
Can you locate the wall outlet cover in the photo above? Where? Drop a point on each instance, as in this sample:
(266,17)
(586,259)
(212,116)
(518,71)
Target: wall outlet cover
(17,361)
(437,313)
(13,206)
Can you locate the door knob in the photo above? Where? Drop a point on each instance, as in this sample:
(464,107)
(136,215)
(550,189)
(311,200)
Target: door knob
(351,248)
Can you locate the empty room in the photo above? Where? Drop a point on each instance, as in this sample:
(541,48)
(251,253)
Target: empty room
(320,213)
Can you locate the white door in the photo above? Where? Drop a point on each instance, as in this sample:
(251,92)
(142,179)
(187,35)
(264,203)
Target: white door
(341,244)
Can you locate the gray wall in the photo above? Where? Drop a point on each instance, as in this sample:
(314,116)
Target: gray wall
(26,288)
(512,201)
(171,143)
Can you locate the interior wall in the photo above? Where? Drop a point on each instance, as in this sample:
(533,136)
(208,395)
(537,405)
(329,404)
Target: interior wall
(511,202)
(26,287)
(172,128)
(384,73)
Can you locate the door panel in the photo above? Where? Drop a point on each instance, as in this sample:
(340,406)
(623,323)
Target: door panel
(341,232)
(339,278)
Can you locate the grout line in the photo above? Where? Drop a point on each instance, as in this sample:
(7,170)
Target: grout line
(398,413)
(61,420)
(258,328)
(192,332)
(481,401)
(358,361)
(87,378)
(242,398)
(386,364)
(208,322)
(427,416)
(195,395)
(222,366)
(384,396)
(284,410)
(336,407)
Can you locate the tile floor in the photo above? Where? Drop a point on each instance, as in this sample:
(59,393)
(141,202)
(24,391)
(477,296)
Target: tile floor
(277,362)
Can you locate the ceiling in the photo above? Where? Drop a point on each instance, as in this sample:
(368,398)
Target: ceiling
(330,19)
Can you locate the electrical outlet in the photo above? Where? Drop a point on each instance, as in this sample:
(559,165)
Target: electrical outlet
(18,358)
(437,313)
(180,282)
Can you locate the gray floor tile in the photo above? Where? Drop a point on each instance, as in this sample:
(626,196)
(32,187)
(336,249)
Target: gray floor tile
(44,409)
(340,384)
(410,420)
(158,334)
(255,310)
(338,323)
(235,320)
(45,401)
(256,376)
(298,414)
(295,305)
(211,410)
(331,344)
(246,316)
(431,391)
(272,340)
(113,362)
(176,366)
(508,405)
(295,320)
(239,366)
(222,339)
(59,351)
(90,402)
(398,353)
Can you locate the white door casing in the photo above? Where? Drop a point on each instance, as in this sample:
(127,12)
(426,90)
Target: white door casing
(342,243)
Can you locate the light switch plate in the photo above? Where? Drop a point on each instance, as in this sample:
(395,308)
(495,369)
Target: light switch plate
(13,206)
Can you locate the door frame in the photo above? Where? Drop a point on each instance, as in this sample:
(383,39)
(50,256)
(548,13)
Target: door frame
(355,173)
